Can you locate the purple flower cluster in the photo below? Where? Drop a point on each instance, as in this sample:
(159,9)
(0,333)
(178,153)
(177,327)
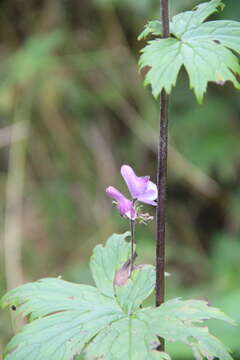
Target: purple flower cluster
(140,188)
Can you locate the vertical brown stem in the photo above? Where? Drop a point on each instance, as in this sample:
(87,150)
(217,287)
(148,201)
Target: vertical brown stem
(162,176)
(14,205)
(162,180)
(165,18)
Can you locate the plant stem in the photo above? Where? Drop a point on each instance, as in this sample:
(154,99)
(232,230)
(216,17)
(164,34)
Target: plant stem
(162,180)
(132,228)
(164,15)
(162,176)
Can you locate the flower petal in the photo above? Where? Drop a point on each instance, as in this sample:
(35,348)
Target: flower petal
(150,194)
(114,193)
(124,205)
(136,185)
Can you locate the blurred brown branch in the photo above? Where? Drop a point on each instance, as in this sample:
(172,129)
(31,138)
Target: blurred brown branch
(14,202)
(12,133)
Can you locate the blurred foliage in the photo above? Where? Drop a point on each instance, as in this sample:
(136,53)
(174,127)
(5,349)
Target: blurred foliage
(69,71)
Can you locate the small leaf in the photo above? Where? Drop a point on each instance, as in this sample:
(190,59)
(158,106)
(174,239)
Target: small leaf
(203,49)
(152,27)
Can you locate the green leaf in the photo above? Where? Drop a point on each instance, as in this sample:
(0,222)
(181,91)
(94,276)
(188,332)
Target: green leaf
(105,261)
(203,49)
(163,73)
(222,31)
(61,335)
(128,338)
(193,311)
(50,295)
(107,322)
(178,320)
(152,27)
(137,288)
(191,19)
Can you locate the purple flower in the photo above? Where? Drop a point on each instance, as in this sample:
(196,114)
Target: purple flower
(124,205)
(140,187)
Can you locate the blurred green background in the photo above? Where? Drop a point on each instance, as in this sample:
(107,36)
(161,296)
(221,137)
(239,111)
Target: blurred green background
(73,110)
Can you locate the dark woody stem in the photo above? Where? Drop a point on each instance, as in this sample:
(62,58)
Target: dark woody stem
(162,179)
(162,175)
(161,206)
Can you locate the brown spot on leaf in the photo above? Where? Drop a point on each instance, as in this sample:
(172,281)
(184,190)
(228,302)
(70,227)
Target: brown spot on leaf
(156,345)
(217,41)
(220,79)
(220,82)
(13,307)
(123,274)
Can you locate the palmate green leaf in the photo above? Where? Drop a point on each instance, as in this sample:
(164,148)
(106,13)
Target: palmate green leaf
(107,322)
(203,49)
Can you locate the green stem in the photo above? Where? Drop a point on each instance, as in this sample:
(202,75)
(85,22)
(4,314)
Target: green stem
(132,231)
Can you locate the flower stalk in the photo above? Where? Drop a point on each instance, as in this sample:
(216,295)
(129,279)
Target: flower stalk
(132,232)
